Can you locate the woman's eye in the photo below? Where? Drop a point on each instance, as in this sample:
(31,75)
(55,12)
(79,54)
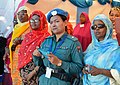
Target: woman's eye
(116,15)
(111,15)
(51,22)
(57,21)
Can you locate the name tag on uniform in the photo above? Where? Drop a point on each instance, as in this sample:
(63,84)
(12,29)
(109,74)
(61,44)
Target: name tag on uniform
(48,72)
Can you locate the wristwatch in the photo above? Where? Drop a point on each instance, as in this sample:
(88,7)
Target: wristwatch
(60,63)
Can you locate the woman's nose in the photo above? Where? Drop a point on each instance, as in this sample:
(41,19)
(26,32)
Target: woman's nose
(113,17)
(53,24)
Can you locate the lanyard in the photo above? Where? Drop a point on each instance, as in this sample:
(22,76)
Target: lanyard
(61,42)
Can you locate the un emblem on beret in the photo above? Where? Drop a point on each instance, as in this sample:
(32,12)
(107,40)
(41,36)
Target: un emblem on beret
(54,13)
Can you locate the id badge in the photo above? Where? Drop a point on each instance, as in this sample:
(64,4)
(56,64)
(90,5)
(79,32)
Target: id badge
(48,72)
(82,25)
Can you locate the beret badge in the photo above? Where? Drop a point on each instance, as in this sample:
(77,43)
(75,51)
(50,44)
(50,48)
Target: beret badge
(54,13)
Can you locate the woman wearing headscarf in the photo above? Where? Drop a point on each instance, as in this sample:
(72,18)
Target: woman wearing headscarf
(39,31)
(17,36)
(113,15)
(69,26)
(102,57)
(82,31)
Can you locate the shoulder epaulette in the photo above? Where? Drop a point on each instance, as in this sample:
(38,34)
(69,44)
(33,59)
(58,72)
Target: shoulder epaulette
(72,38)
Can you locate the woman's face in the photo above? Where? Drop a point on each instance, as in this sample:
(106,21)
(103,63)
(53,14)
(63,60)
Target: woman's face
(113,14)
(82,19)
(23,16)
(35,22)
(57,25)
(99,30)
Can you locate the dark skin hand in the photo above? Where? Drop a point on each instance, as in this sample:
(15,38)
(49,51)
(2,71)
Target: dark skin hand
(97,71)
(16,41)
(32,73)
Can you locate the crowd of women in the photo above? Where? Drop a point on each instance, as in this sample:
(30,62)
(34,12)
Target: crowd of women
(88,54)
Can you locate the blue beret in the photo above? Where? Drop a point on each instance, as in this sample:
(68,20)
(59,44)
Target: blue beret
(102,2)
(56,11)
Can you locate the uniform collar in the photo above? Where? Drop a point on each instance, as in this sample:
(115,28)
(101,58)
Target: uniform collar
(54,37)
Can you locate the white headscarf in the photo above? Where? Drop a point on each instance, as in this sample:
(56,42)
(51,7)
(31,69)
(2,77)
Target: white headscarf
(20,9)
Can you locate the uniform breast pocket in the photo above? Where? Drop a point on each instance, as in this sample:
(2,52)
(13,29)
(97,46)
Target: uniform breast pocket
(63,52)
(45,47)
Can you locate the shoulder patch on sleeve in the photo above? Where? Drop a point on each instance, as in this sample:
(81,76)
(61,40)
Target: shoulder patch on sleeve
(72,38)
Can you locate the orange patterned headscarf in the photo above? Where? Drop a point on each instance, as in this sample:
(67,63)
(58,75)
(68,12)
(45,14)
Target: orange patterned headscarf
(32,39)
(69,26)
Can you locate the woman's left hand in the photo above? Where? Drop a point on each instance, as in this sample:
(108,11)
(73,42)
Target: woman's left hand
(30,75)
(17,41)
(95,71)
(53,59)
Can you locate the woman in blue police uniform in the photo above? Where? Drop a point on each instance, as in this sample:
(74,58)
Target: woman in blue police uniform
(61,53)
